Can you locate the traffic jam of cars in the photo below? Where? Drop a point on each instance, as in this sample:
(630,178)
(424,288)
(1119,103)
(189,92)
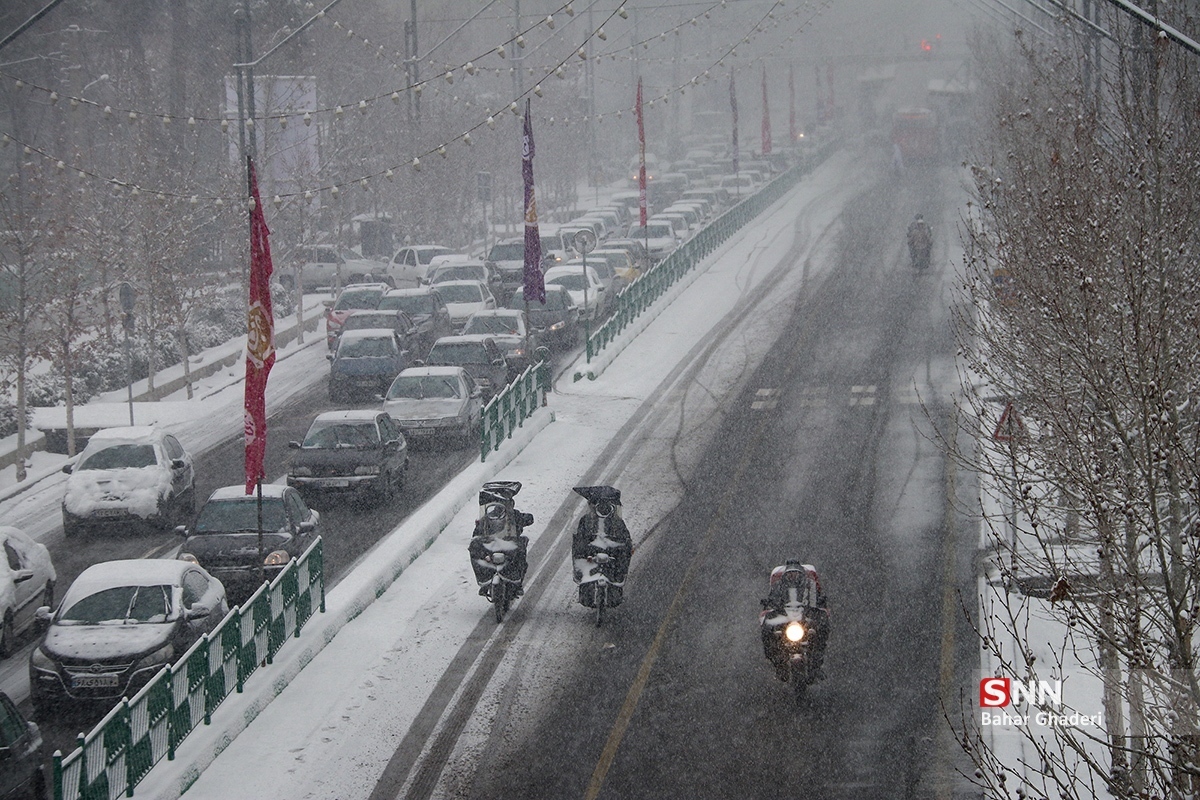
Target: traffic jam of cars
(419,345)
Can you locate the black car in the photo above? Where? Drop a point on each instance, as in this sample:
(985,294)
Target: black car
(556,322)
(425,308)
(224,537)
(21,754)
(407,335)
(365,363)
(349,454)
(479,355)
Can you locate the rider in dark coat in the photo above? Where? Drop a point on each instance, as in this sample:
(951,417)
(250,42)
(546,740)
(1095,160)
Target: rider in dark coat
(920,242)
(500,519)
(602,529)
(794,574)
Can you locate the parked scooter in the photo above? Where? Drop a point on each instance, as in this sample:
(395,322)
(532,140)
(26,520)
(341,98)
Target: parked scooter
(498,548)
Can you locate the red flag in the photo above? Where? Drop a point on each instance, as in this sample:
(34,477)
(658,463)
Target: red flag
(260,344)
(641,158)
(793,134)
(766,123)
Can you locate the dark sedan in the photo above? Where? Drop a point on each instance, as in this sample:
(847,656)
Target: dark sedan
(350,454)
(556,322)
(224,539)
(479,355)
(425,308)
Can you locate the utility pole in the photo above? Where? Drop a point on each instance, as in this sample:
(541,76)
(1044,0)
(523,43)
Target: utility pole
(412,65)
(518,58)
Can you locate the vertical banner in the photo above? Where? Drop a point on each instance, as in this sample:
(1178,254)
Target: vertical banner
(766,120)
(641,157)
(532,278)
(260,343)
(733,105)
(793,134)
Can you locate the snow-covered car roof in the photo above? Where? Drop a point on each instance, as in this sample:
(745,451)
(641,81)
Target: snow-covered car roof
(566,270)
(127,572)
(498,312)
(368,333)
(136,434)
(348,415)
(272,490)
(418,291)
(431,372)
(464,338)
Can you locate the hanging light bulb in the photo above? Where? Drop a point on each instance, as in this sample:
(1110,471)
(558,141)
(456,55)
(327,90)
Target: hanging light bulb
(335,192)
(250,123)
(500,52)
(61,166)
(449,76)
(396,98)
(390,175)
(53,98)
(520,41)
(337,112)
(603,36)
(224,126)
(133,116)
(581,53)
(418,89)
(491,122)
(550,21)
(194,200)
(278,201)
(166,121)
(469,68)
(467,138)
(570,9)
(74,104)
(308,196)
(283,123)
(441,151)
(362,106)
(363,183)
(307,118)
(559,72)
(416,164)
(623,13)
(220,203)
(538,90)
(513,107)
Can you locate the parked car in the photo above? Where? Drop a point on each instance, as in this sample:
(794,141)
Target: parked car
(658,238)
(587,291)
(117,626)
(479,355)
(407,335)
(26,581)
(22,756)
(508,328)
(427,311)
(365,363)
(464,298)
(556,322)
(355,297)
(127,476)
(409,265)
(327,266)
(349,454)
(431,402)
(224,538)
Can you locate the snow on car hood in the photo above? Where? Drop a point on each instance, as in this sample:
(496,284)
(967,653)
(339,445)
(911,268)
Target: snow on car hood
(135,489)
(463,310)
(429,408)
(104,642)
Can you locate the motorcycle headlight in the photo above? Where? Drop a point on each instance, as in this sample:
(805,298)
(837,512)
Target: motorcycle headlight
(277,559)
(794,631)
(190,558)
(496,558)
(367,469)
(302,472)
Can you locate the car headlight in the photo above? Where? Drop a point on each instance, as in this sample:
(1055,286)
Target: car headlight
(368,469)
(794,631)
(190,558)
(518,353)
(277,559)
(163,655)
(558,326)
(302,472)
(39,660)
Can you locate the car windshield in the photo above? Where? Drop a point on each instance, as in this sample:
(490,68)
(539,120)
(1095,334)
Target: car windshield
(364,321)
(121,605)
(233,514)
(512,251)
(463,293)
(504,324)
(422,387)
(374,347)
(573,283)
(412,304)
(459,273)
(121,456)
(357,298)
(330,434)
(457,354)
(548,243)
(425,256)
(650,231)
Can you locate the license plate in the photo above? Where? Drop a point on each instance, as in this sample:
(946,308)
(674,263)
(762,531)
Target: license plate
(333,483)
(420,431)
(109,512)
(95,681)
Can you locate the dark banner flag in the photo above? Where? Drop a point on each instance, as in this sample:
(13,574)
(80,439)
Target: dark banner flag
(766,123)
(733,105)
(535,284)
(641,158)
(793,134)
(260,343)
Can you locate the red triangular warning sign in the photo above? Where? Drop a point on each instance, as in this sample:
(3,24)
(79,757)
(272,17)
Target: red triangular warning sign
(1010,425)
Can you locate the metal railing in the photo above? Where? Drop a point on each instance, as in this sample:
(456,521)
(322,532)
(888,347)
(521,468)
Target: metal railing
(508,410)
(139,732)
(654,282)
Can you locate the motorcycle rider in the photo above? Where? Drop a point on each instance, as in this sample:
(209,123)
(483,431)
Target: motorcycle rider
(500,526)
(794,574)
(920,242)
(602,528)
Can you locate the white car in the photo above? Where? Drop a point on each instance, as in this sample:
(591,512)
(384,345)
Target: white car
(410,265)
(324,265)
(464,298)
(26,581)
(658,238)
(428,402)
(586,288)
(128,476)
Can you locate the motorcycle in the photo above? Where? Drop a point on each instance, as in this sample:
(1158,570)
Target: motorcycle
(497,548)
(601,550)
(596,588)
(788,636)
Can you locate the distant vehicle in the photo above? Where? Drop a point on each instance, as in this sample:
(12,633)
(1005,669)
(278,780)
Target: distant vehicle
(479,355)
(430,402)
(407,335)
(507,326)
(327,266)
(620,262)
(637,252)
(610,283)
(21,764)
(126,476)
(364,363)
(27,580)
(117,626)
(350,454)
(556,321)
(683,229)
(585,287)
(427,311)
(507,257)
(554,249)
(659,238)
(354,297)
(464,298)
(652,169)
(466,271)
(915,133)
(410,265)
(224,538)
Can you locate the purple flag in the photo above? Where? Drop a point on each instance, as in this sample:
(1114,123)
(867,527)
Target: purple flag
(733,104)
(535,286)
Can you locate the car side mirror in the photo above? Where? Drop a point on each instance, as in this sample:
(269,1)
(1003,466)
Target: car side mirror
(178,463)
(308,526)
(327,303)
(476,392)
(293,445)
(197,611)
(329,357)
(498,362)
(41,618)
(67,468)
